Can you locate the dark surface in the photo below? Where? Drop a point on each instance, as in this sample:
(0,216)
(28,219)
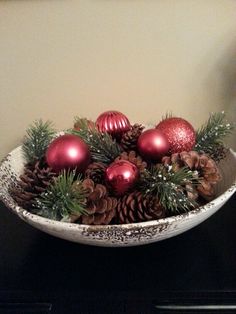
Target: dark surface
(43,274)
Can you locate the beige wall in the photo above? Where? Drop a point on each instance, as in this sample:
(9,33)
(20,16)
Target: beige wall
(61,58)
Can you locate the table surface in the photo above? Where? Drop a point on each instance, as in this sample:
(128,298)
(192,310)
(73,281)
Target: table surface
(197,263)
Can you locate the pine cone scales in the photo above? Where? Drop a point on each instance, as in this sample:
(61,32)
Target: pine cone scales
(130,138)
(35,179)
(134,158)
(96,172)
(100,207)
(205,167)
(136,207)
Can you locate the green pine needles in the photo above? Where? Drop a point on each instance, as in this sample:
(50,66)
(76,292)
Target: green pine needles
(169,187)
(38,136)
(167,115)
(102,146)
(210,136)
(61,198)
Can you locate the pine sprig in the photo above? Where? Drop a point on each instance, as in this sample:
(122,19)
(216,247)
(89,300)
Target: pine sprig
(209,138)
(167,115)
(102,146)
(169,187)
(61,199)
(83,123)
(38,136)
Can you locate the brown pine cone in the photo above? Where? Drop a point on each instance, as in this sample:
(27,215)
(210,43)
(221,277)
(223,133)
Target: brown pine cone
(96,172)
(129,139)
(205,167)
(35,179)
(135,207)
(134,158)
(100,207)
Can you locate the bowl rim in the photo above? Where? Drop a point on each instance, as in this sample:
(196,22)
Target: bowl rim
(25,215)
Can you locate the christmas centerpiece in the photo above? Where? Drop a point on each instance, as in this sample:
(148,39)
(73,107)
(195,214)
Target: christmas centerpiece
(110,171)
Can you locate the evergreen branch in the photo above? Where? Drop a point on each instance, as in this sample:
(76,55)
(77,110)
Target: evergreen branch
(61,198)
(209,138)
(38,136)
(83,123)
(169,187)
(167,115)
(102,146)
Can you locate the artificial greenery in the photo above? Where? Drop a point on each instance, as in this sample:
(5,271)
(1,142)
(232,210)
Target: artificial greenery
(167,115)
(209,138)
(169,186)
(38,136)
(62,198)
(102,146)
(66,196)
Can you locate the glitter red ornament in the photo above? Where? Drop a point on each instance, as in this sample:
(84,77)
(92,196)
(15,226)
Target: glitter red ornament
(68,152)
(153,145)
(180,134)
(121,176)
(113,122)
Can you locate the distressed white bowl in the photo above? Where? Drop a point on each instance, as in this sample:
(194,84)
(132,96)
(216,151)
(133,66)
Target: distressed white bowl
(117,235)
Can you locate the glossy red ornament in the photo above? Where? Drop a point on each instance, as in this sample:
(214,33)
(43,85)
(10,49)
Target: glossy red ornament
(121,176)
(153,145)
(68,152)
(113,122)
(180,134)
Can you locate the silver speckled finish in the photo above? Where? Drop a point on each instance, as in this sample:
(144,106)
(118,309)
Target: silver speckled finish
(117,235)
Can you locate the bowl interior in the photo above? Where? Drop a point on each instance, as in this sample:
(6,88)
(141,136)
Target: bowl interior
(13,165)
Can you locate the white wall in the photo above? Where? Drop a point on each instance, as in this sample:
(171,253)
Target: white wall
(61,58)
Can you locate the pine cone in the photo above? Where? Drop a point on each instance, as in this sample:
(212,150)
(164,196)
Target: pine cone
(35,179)
(130,138)
(134,158)
(100,207)
(205,167)
(135,207)
(96,172)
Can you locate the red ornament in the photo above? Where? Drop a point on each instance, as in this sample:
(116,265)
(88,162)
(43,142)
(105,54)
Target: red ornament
(121,176)
(68,152)
(180,134)
(153,145)
(113,122)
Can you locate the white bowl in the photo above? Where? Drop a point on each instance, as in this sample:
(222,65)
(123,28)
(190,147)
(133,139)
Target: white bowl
(117,235)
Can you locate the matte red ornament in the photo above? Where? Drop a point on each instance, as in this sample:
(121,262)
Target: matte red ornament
(153,145)
(180,134)
(113,122)
(121,176)
(68,152)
